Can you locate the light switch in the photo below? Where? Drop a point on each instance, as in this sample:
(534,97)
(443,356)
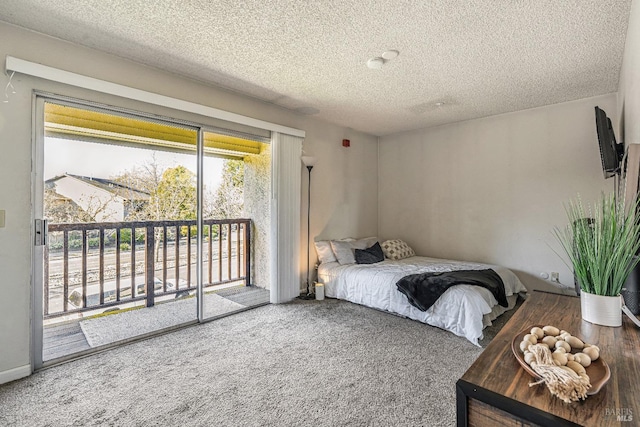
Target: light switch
(2,218)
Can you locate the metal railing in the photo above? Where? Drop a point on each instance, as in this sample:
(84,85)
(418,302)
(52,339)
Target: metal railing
(89,266)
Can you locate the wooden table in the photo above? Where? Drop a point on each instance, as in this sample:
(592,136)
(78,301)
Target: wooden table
(495,390)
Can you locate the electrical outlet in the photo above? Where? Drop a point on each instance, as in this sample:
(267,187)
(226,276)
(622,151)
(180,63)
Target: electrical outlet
(555,276)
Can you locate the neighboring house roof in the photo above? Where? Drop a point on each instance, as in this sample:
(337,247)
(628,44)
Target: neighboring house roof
(116,188)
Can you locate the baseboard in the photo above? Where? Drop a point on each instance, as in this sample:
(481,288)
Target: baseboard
(15,374)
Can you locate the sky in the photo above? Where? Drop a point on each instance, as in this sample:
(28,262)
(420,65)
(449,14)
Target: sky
(106,161)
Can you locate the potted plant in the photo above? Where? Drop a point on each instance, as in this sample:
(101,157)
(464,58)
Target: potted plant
(601,244)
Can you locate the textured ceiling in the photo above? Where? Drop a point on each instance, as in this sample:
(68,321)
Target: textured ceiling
(479,57)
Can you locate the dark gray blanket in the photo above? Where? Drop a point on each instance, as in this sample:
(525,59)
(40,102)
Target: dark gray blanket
(424,289)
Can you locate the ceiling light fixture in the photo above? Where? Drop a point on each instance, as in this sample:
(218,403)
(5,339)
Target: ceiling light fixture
(390,54)
(375,63)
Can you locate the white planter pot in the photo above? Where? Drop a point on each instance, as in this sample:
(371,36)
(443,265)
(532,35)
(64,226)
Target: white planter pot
(601,310)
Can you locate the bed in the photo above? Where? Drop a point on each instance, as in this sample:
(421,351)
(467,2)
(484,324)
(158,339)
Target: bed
(464,310)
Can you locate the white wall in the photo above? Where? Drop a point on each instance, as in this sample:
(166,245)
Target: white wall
(342,182)
(15,162)
(257,197)
(629,85)
(492,189)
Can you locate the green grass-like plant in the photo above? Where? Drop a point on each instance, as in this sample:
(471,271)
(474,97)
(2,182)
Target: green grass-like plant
(601,243)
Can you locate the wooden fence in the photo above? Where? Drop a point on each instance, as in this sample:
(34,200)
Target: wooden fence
(94,265)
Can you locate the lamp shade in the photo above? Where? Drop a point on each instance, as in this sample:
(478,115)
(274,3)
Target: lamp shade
(309,160)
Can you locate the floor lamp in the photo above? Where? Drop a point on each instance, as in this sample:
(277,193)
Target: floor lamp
(309,162)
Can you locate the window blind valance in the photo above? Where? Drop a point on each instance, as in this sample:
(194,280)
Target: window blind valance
(64,121)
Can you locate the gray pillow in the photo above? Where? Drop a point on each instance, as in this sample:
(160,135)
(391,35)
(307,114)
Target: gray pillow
(345,251)
(370,255)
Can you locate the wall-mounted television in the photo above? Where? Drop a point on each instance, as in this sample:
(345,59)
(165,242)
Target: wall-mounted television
(611,153)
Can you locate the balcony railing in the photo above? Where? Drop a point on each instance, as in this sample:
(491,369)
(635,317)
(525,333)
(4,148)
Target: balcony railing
(89,266)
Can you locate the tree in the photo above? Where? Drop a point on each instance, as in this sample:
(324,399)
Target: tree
(228,201)
(172,191)
(172,194)
(175,197)
(60,210)
(146,179)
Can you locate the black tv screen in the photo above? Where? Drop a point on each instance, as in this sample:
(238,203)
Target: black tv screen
(611,153)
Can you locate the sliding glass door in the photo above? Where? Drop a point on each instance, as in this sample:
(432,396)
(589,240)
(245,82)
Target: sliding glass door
(144,225)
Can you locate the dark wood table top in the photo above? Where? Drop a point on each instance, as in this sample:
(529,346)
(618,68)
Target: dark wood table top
(497,370)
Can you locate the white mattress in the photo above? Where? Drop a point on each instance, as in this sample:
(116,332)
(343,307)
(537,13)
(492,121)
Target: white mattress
(462,309)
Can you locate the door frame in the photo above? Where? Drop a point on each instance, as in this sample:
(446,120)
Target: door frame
(37,212)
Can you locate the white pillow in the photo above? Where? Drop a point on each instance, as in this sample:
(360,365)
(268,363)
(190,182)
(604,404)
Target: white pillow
(345,251)
(324,251)
(396,249)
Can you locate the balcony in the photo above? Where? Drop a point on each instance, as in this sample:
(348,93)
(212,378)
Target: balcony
(97,272)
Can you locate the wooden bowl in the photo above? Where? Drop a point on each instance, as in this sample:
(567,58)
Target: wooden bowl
(598,371)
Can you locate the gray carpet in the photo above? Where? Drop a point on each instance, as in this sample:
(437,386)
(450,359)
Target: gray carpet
(306,363)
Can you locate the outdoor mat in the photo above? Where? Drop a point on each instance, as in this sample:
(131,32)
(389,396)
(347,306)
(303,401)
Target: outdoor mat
(128,324)
(246,295)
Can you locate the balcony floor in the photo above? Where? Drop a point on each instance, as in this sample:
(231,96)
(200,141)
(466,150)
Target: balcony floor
(83,335)
(63,340)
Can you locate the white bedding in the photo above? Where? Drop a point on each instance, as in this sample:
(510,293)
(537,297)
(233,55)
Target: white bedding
(460,309)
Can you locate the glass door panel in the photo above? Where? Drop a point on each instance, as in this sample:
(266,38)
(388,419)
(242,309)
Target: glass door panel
(119,194)
(222,240)
(231,194)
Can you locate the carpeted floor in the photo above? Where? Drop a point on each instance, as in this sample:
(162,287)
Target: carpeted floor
(306,363)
